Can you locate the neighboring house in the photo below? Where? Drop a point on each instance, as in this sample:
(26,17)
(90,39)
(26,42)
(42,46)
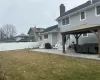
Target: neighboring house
(51,35)
(84,16)
(34,34)
(22,38)
(7,40)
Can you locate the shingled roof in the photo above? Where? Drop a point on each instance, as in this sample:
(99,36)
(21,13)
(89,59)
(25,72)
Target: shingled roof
(22,35)
(50,28)
(88,3)
(37,30)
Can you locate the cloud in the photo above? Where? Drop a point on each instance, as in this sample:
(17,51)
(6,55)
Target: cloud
(27,13)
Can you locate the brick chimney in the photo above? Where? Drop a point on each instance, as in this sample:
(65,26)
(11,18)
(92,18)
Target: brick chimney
(94,1)
(62,9)
(89,1)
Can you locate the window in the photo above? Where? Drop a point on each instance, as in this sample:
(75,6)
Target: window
(66,21)
(83,16)
(85,35)
(45,36)
(63,21)
(98,10)
(40,38)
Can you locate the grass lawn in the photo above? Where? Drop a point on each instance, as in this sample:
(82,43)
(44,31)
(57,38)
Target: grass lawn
(25,65)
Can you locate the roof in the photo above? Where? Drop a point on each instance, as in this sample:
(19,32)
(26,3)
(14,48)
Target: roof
(50,28)
(37,30)
(22,35)
(88,3)
(40,29)
(82,27)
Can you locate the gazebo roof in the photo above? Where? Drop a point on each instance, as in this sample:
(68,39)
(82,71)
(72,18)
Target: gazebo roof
(83,28)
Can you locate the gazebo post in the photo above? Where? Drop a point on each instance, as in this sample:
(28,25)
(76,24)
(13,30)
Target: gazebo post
(63,43)
(77,37)
(99,41)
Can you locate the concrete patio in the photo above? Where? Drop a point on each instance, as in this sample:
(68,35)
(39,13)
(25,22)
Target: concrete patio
(70,53)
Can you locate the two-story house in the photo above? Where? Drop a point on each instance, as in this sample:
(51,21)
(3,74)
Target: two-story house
(81,23)
(34,34)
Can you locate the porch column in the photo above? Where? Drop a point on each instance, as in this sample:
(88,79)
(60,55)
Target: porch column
(63,43)
(77,39)
(99,41)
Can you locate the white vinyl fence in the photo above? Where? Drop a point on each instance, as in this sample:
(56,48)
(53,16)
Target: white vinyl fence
(18,45)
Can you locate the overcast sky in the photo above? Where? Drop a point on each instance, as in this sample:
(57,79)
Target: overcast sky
(29,13)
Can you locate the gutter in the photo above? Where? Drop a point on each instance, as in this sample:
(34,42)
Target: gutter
(92,5)
(52,31)
(49,32)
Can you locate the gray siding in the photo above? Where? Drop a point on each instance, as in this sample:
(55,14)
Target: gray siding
(91,18)
(92,38)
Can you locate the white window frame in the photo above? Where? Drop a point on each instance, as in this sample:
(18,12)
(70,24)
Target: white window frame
(84,14)
(96,11)
(65,23)
(46,35)
(62,22)
(84,36)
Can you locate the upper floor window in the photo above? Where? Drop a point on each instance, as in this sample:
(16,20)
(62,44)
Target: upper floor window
(83,16)
(66,21)
(98,10)
(45,36)
(63,22)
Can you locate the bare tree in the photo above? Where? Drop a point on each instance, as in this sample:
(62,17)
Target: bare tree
(9,30)
(2,34)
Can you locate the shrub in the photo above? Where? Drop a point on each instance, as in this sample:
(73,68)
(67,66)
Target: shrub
(47,46)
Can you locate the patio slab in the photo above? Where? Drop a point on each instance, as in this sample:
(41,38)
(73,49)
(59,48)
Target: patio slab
(70,53)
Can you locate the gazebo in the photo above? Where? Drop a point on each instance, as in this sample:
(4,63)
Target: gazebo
(81,29)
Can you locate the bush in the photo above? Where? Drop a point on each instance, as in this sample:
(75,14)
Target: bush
(47,46)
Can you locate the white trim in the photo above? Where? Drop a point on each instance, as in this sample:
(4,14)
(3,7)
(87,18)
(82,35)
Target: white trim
(91,1)
(65,25)
(49,32)
(60,23)
(69,20)
(84,15)
(96,11)
(51,38)
(65,21)
(85,36)
(46,35)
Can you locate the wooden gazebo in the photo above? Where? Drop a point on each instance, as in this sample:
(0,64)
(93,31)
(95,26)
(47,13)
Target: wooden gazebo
(81,29)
